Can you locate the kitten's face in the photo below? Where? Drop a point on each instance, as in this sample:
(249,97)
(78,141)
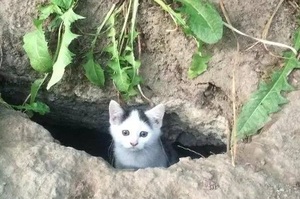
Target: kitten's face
(137,129)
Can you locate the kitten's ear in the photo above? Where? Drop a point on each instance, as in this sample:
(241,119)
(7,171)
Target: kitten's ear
(115,113)
(156,114)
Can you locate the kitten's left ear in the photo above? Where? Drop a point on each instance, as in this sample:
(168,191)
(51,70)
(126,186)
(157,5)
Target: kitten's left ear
(156,114)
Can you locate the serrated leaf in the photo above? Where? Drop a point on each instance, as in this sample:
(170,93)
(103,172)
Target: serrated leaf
(36,48)
(47,10)
(198,65)
(119,75)
(129,56)
(66,4)
(132,61)
(122,81)
(38,107)
(64,57)
(93,71)
(203,20)
(266,100)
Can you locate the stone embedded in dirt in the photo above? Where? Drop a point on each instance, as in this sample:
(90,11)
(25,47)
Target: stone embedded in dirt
(34,165)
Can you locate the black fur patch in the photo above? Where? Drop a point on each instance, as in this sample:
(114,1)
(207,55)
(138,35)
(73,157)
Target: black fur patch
(143,117)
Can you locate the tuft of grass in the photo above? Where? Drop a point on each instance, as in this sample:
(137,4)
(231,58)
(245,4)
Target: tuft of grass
(123,63)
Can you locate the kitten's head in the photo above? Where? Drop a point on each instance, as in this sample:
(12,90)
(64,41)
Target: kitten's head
(135,129)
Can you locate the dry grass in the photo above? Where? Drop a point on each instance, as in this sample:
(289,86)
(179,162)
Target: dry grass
(231,137)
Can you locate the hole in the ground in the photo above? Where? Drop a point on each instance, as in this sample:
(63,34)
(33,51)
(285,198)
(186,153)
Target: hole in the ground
(98,143)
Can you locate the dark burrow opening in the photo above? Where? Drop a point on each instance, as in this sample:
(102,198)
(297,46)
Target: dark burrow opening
(84,126)
(98,142)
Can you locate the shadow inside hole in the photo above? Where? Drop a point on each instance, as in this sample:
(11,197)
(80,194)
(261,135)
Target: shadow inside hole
(198,151)
(91,141)
(98,143)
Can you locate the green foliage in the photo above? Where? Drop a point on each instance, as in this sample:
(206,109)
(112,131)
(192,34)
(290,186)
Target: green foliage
(197,18)
(93,70)
(297,40)
(47,10)
(201,20)
(266,100)
(33,105)
(65,4)
(37,107)
(177,17)
(36,47)
(119,75)
(198,66)
(64,54)
(36,85)
(123,64)
(129,56)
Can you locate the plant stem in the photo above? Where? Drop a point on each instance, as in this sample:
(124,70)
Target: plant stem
(132,35)
(102,25)
(58,43)
(172,13)
(121,38)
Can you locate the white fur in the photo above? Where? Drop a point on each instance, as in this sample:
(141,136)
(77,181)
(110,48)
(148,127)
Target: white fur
(149,151)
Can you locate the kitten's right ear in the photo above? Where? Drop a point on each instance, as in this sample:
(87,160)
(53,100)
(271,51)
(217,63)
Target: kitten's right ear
(115,113)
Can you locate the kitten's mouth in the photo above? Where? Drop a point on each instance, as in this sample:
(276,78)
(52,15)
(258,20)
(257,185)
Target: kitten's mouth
(134,149)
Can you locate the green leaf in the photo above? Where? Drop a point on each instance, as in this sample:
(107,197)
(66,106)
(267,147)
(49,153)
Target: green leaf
(297,40)
(36,47)
(119,74)
(198,65)
(203,20)
(47,10)
(35,88)
(93,71)
(64,57)
(266,100)
(129,56)
(177,17)
(66,4)
(37,107)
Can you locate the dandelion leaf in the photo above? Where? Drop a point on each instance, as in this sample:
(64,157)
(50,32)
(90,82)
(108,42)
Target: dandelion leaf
(203,20)
(198,65)
(36,48)
(64,57)
(266,100)
(93,71)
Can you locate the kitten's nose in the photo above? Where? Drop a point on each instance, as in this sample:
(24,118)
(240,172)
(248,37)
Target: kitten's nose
(134,143)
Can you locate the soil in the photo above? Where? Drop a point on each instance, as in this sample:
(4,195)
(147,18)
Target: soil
(199,111)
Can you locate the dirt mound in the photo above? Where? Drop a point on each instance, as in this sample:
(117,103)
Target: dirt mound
(198,111)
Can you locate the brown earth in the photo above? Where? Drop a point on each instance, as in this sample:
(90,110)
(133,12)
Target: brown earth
(267,167)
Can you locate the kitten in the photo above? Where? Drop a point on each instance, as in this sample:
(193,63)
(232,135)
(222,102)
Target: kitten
(136,135)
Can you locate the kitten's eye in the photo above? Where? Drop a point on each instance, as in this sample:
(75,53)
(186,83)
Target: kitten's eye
(125,132)
(143,134)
